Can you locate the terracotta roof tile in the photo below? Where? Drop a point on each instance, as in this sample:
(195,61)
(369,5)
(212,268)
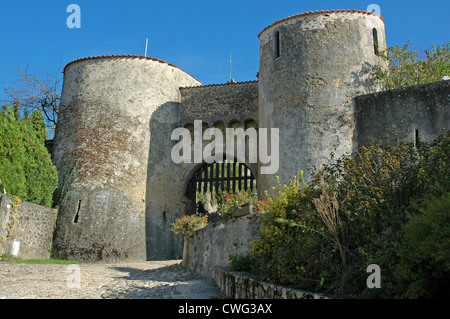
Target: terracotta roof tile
(212,85)
(125,56)
(317,12)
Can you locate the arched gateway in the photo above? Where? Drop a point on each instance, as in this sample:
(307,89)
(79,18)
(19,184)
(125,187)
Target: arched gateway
(219,177)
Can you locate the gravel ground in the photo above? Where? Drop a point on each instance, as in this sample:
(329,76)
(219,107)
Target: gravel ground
(143,280)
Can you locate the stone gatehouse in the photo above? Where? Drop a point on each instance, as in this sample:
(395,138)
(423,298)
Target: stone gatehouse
(119,189)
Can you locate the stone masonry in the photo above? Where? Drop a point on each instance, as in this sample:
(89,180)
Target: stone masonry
(26,229)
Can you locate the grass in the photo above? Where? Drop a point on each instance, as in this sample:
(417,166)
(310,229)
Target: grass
(11,259)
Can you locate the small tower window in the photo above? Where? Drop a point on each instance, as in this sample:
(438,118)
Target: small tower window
(77,215)
(416,138)
(375,42)
(277,44)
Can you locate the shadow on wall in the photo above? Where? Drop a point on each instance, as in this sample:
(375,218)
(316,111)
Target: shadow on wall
(164,186)
(167,184)
(364,78)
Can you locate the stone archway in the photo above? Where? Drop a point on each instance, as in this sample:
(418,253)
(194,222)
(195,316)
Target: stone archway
(208,179)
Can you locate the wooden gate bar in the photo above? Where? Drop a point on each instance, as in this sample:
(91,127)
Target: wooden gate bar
(224,176)
(216,184)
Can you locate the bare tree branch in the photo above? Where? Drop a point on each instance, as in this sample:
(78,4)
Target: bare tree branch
(34,92)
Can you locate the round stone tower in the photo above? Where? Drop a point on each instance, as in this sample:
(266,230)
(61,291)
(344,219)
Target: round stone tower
(312,65)
(101,150)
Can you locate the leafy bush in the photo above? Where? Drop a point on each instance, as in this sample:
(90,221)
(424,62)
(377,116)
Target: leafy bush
(290,248)
(426,257)
(353,214)
(241,262)
(434,166)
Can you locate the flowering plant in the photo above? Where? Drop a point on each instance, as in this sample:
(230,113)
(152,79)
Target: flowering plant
(261,206)
(188,224)
(232,201)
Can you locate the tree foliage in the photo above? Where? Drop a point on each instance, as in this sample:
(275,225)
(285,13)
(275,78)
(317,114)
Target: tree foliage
(408,67)
(38,122)
(26,168)
(12,154)
(426,257)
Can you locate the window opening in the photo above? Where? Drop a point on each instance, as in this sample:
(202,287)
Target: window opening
(375,42)
(277,44)
(77,215)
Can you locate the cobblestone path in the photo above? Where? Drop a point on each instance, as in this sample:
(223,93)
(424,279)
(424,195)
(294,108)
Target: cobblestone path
(143,280)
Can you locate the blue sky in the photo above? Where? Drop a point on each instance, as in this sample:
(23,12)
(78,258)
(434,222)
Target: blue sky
(195,35)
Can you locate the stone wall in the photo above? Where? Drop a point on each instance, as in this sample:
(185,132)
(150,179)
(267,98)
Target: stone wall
(207,251)
(239,285)
(220,103)
(418,111)
(26,230)
(211,246)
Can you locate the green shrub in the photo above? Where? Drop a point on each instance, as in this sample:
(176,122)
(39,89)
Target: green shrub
(374,188)
(352,214)
(38,122)
(426,257)
(240,262)
(291,249)
(433,175)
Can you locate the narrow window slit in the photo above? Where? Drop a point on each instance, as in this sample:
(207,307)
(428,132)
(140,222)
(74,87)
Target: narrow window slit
(416,137)
(375,42)
(277,44)
(77,215)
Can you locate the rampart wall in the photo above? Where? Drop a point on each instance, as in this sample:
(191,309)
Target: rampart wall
(416,112)
(211,246)
(225,103)
(26,229)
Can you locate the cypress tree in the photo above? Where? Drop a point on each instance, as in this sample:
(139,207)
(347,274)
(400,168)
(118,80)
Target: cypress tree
(12,155)
(41,175)
(37,119)
(26,169)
